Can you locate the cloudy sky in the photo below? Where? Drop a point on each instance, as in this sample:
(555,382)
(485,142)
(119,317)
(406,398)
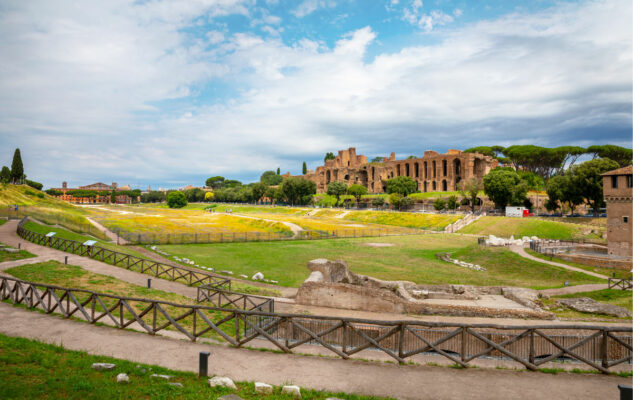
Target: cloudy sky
(168,93)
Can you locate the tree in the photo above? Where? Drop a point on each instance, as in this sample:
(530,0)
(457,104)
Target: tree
(377,159)
(258,190)
(176,199)
(451,204)
(439,204)
(270,193)
(208,196)
(112,197)
(215,182)
(304,169)
(394,200)
(504,186)
(378,202)
(194,195)
(533,181)
(586,177)
(5,175)
(405,203)
(297,191)
(278,171)
(337,189)
(621,155)
(270,178)
(153,197)
(17,169)
(560,188)
(357,191)
(470,189)
(329,156)
(34,185)
(402,185)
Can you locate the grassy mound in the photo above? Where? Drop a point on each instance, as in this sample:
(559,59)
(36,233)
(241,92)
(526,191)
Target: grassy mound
(519,227)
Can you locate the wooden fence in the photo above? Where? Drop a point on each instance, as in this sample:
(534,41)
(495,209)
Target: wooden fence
(128,261)
(219,297)
(600,347)
(623,284)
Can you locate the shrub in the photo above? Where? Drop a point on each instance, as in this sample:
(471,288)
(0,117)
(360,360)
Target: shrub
(378,202)
(34,185)
(176,199)
(439,204)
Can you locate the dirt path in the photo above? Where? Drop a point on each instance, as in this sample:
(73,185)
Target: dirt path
(111,235)
(378,379)
(574,289)
(521,251)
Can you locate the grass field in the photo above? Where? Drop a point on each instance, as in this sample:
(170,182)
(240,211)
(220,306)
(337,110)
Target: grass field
(410,258)
(619,273)
(6,256)
(3,221)
(33,370)
(519,227)
(616,297)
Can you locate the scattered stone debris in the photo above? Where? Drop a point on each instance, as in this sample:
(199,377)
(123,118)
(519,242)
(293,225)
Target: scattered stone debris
(497,241)
(103,366)
(263,388)
(230,397)
(447,257)
(177,384)
(585,304)
(226,272)
(222,381)
(122,378)
(258,276)
(165,377)
(243,276)
(292,390)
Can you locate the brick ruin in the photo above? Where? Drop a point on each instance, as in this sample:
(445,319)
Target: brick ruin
(434,172)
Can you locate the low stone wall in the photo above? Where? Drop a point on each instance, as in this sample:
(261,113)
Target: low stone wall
(604,262)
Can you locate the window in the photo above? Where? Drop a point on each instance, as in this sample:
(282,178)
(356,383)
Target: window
(625,220)
(629,181)
(614,182)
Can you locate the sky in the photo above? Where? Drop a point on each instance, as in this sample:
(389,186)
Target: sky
(168,93)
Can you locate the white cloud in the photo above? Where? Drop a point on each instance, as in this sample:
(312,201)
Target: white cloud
(81,99)
(415,16)
(307,7)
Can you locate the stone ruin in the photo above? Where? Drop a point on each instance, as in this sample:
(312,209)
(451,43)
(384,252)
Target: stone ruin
(332,284)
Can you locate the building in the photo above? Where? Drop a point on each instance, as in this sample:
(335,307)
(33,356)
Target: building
(618,194)
(434,172)
(95,193)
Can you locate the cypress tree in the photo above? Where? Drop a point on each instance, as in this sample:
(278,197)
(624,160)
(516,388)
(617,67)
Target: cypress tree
(5,175)
(305,168)
(278,171)
(17,169)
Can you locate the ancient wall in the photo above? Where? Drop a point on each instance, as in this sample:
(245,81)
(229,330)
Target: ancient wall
(433,172)
(618,194)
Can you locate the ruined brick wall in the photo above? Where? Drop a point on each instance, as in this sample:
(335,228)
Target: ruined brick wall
(433,172)
(618,194)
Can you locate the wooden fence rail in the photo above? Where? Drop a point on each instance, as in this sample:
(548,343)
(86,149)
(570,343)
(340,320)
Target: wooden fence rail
(600,347)
(220,297)
(624,284)
(128,261)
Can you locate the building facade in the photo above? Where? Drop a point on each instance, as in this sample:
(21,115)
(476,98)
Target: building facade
(434,172)
(69,194)
(618,194)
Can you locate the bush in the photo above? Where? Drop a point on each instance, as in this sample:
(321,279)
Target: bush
(176,199)
(451,204)
(406,203)
(34,185)
(378,202)
(439,204)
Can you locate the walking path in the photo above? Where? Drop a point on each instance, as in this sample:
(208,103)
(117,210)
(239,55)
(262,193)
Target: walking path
(111,235)
(350,376)
(521,251)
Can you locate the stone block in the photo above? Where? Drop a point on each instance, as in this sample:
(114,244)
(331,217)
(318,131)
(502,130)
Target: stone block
(222,381)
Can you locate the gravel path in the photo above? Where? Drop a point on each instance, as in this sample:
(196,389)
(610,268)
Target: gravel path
(111,235)
(521,251)
(350,376)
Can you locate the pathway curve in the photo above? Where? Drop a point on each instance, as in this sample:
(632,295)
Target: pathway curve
(521,251)
(111,235)
(296,229)
(378,379)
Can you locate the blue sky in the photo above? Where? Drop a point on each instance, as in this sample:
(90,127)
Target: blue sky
(167,93)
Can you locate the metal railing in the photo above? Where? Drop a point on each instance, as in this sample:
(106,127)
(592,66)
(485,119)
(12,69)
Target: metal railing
(600,347)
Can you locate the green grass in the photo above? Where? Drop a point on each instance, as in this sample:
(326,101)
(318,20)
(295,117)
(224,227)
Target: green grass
(33,370)
(519,227)
(66,234)
(411,258)
(619,273)
(3,221)
(616,297)
(435,222)
(6,256)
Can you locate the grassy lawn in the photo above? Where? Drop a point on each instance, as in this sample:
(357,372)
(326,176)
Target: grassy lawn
(436,222)
(519,227)
(66,234)
(33,370)
(619,273)
(410,258)
(6,256)
(616,297)
(3,221)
